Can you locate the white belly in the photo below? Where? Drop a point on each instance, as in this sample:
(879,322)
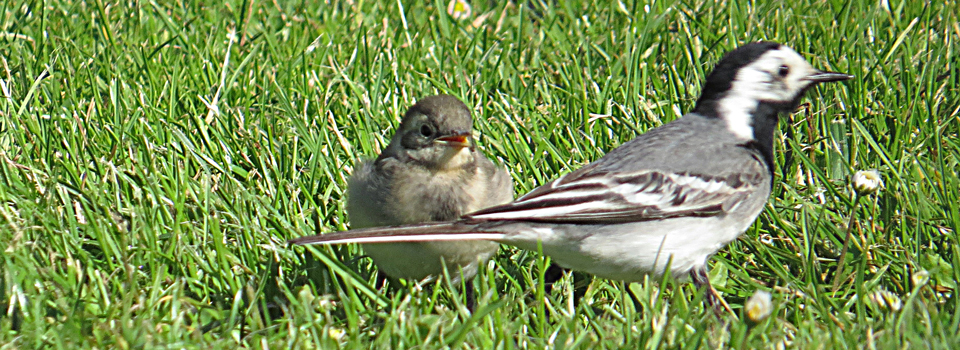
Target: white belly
(628,252)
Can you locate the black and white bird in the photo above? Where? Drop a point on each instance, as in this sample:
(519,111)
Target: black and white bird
(431,171)
(668,199)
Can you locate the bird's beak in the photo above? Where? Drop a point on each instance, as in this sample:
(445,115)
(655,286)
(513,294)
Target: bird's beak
(826,77)
(455,139)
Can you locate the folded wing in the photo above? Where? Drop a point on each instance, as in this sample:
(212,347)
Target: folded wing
(603,198)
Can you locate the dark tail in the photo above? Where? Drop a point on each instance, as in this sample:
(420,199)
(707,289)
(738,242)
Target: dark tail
(440,231)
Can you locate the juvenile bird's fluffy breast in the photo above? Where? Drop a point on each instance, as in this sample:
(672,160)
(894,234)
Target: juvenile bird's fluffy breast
(440,195)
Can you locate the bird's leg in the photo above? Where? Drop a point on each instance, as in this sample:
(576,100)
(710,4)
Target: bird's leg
(470,296)
(580,281)
(381,281)
(553,274)
(702,280)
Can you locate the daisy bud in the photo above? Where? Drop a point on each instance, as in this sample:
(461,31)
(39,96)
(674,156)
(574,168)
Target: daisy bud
(920,277)
(759,306)
(336,333)
(459,9)
(886,300)
(867,181)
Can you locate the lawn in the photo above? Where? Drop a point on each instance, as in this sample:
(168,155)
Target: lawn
(155,157)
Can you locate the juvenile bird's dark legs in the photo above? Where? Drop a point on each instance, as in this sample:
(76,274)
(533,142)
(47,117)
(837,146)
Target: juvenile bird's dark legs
(470,295)
(381,280)
(580,281)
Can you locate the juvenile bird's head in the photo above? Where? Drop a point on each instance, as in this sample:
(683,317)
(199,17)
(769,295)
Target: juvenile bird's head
(434,133)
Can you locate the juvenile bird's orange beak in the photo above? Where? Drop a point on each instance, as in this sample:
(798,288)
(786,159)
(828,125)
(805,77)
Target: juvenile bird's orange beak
(457,139)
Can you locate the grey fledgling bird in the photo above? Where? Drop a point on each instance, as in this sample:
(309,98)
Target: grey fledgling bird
(668,199)
(430,172)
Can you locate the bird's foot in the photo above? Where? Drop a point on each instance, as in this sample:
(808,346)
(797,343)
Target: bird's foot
(711,296)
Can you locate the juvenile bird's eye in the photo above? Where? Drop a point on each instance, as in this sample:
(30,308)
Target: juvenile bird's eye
(426,130)
(783,71)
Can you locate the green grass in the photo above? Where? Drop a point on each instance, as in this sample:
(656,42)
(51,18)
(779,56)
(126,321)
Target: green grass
(152,169)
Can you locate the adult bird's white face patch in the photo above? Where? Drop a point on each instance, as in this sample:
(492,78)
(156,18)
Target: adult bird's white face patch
(777,76)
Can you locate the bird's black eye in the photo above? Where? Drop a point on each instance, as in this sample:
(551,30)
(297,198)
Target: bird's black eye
(426,130)
(783,71)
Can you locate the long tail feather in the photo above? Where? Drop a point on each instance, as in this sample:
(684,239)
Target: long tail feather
(445,231)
